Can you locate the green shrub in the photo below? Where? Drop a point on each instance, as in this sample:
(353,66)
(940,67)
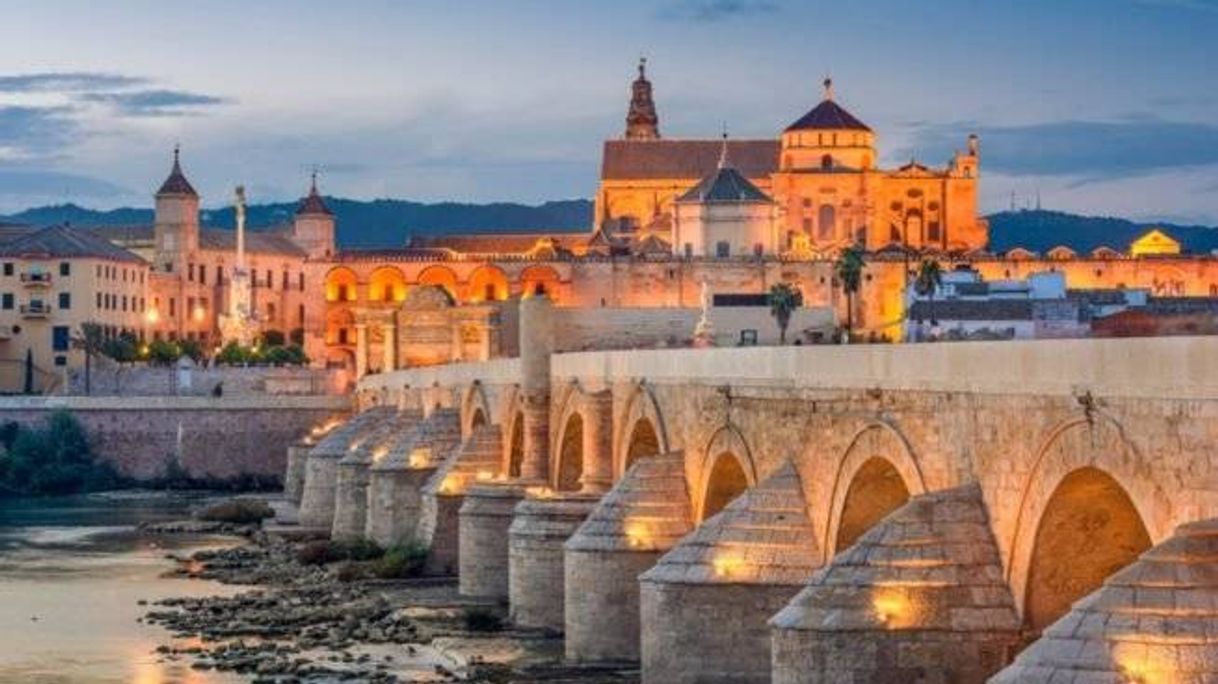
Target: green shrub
(233,354)
(479,619)
(191,348)
(54,459)
(400,562)
(163,353)
(237,511)
(326,552)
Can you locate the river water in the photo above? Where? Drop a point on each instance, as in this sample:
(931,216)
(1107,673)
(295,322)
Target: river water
(72,571)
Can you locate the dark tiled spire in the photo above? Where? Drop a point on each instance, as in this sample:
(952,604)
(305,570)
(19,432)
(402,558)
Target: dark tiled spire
(828,115)
(176,183)
(313,203)
(642,122)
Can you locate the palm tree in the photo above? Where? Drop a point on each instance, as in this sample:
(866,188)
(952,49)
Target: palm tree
(927,282)
(784,298)
(92,340)
(849,272)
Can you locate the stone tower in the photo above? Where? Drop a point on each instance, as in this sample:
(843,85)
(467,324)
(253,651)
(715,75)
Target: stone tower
(642,122)
(176,226)
(313,227)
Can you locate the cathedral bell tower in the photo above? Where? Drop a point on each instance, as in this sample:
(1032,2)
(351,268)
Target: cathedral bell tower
(642,122)
(176,225)
(313,226)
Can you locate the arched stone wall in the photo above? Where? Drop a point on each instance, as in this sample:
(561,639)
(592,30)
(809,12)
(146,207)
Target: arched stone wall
(1083,441)
(569,399)
(473,404)
(1089,530)
(875,491)
(569,467)
(726,442)
(641,405)
(878,440)
(643,441)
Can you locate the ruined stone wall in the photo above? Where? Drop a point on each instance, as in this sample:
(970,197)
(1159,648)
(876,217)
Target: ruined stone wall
(209,438)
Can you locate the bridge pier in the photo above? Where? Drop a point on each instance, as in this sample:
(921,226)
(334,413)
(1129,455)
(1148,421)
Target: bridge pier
(294,475)
(321,471)
(485,518)
(395,483)
(919,597)
(535,557)
(1153,621)
(643,516)
(706,604)
(479,458)
(353,476)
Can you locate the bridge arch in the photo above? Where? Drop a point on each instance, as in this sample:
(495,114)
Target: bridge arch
(727,471)
(1085,453)
(569,467)
(876,475)
(642,413)
(513,444)
(475,409)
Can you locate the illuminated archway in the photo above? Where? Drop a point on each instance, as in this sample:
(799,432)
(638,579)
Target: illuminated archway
(875,491)
(340,327)
(341,285)
(570,454)
(478,420)
(643,442)
(516,445)
(726,482)
(1089,530)
(538,279)
(488,284)
(386,284)
(439,275)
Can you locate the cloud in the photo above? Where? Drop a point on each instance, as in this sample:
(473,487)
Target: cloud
(34,132)
(66,82)
(1081,149)
(709,11)
(155,102)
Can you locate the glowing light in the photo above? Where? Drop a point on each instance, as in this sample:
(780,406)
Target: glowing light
(379,453)
(637,534)
(539,492)
(728,565)
(1140,664)
(419,458)
(450,485)
(199,313)
(152,316)
(892,607)
(484,476)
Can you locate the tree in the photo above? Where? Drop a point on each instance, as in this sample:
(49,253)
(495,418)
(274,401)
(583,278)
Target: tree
(162,353)
(91,339)
(929,280)
(784,298)
(848,270)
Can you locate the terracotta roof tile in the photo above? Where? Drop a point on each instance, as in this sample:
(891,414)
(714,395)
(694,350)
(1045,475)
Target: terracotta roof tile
(686,159)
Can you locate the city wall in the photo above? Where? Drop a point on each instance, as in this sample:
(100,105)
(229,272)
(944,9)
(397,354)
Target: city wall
(221,438)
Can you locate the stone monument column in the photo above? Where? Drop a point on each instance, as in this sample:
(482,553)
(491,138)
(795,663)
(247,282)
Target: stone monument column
(536,334)
(389,350)
(597,413)
(361,350)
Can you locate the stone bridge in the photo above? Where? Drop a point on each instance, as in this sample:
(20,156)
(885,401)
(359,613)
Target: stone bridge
(1010,511)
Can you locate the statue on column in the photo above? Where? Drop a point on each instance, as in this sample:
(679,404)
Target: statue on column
(240,323)
(704,331)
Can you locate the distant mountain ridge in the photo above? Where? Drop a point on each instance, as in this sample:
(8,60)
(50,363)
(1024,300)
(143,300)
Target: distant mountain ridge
(388,223)
(375,223)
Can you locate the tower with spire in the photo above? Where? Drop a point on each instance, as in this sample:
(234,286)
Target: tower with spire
(176,225)
(642,122)
(313,225)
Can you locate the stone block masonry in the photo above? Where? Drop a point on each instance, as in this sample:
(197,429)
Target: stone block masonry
(223,439)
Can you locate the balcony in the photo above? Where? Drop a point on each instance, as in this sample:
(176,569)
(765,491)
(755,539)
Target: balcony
(36,279)
(35,310)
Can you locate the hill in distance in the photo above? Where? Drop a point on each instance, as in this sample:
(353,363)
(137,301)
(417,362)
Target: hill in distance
(376,223)
(388,223)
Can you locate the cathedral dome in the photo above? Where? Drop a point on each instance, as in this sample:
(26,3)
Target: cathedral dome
(176,183)
(828,115)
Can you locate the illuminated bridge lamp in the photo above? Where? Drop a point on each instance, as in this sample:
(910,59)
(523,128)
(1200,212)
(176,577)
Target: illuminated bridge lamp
(450,485)
(636,534)
(728,565)
(380,453)
(419,458)
(892,607)
(484,476)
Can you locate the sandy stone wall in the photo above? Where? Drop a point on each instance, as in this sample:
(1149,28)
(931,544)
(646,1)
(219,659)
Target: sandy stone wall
(218,438)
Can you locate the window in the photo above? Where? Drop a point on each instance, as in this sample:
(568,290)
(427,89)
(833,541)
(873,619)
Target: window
(124,302)
(826,220)
(99,271)
(190,272)
(65,268)
(932,231)
(190,306)
(300,277)
(270,279)
(826,162)
(300,314)
(270,311)
(59,338)
(723,249)
(342,336)
(172,307)
(65,300)
(8,268)
(219,275)
(202,274)
(6,301)
(61,360)
(285,280)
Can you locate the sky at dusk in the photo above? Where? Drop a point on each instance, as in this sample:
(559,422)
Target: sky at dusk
(1103,107)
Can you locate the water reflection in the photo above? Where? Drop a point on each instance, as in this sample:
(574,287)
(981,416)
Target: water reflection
(72,571)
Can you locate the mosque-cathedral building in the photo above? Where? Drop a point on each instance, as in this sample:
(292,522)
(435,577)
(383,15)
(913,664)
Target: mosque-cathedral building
(673,219)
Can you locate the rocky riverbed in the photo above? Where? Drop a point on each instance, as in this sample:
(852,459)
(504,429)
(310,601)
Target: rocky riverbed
(306,622)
